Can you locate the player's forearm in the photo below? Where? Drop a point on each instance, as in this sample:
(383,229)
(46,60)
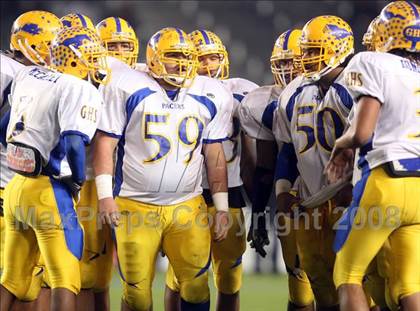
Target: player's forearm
(264,175)
(363,125)
(248,161)
(103,164)
(103,154)
(217,175)
(216,167)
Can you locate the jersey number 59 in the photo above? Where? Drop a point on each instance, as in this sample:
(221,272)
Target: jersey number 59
(189,132)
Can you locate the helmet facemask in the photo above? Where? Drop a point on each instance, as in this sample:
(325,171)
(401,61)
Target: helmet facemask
(175,71)
(285,68)
(127,55)
(219,70)
(94,65)
(314,67)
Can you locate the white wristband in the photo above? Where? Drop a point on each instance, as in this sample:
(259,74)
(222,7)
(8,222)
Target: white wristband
(282,185)
(104,186)
(221,202)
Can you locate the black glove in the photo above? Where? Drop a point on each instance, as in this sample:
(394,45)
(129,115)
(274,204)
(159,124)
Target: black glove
(73,186)
(257,234)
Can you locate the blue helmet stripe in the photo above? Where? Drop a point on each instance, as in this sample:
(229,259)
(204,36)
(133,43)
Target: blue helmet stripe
(118,24)
(181,36)
(416,13)
(205,36)
(286,39)
(82,19)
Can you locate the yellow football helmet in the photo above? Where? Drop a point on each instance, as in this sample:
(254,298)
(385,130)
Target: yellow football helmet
(333,37)
(167,41)
(116,29)
(367,40)
(398,27)
(285,58)
(32,33)
(206,43)
(77,20)
(79,51)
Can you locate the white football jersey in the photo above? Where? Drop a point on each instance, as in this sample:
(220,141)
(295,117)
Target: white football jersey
(312,123)
(159,158)
(114,64)
(8,70)
(46,106)
(141,67)
(257,112)
(232,147)
(395,82)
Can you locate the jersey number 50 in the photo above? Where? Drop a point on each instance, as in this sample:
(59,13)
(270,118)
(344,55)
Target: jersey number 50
(319,133)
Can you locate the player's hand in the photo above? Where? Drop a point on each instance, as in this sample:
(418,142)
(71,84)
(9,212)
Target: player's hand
(286,202)
(221,226)
(340,164)
(108,212)
(258,235)
(73,186)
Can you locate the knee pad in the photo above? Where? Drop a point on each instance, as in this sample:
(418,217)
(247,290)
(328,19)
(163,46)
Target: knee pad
(35,286)
(300,291)
(137,298)
(171,280)
(87,274)
(195,290)
(230,281)
(399,289)
(103,273)
(18,288)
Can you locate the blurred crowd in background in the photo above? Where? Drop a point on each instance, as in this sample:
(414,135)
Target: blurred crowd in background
(247,28)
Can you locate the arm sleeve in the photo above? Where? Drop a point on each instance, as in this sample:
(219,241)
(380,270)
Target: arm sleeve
(76,156)
(363,78)
(262,184)
(79,110)
(286,166)
(3,127)
(218,128)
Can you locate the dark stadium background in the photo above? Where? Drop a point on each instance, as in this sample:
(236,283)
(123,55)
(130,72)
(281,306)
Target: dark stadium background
(248,29)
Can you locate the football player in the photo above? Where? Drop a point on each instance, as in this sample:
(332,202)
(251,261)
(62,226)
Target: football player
(256,115)
(96,263)
(385,126)
(30,39)
(162,122)
(312,113)
(369,34)
(227,255)
(53,115)
(120,39)
(77,20)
